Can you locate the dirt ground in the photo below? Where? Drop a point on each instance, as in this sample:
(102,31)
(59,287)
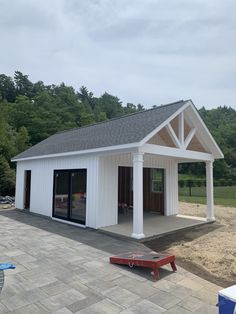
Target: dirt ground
(208,250)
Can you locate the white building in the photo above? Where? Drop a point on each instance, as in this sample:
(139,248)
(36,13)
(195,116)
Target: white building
(86,175)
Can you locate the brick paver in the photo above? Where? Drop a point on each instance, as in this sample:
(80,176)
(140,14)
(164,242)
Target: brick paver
(65,269)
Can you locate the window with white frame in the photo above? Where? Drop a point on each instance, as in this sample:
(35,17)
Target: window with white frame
(157,180)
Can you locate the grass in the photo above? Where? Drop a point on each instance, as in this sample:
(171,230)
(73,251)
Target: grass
(190,177)
(223,195)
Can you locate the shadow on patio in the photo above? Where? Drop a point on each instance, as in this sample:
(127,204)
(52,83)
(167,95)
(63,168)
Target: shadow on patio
(86,236)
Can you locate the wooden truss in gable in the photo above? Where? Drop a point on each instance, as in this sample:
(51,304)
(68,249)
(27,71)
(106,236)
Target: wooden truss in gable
(178,134)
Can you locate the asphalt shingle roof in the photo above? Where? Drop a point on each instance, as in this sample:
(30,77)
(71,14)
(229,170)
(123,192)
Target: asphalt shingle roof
(124,130)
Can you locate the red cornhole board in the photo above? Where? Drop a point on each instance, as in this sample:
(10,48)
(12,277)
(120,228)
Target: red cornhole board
(153,260)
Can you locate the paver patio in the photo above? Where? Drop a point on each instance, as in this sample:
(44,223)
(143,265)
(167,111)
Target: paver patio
(65,269)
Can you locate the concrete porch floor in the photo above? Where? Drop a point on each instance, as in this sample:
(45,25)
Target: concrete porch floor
(155,225)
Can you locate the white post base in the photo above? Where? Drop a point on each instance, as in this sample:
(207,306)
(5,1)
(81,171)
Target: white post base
(138,235)
(210,219)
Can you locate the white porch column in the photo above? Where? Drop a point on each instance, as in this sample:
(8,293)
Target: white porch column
(210,191)
(138,196)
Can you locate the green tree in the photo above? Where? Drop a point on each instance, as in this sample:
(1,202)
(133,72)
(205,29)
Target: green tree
(111,105)
(130,108)
(38,88)
(182,183)
(22,139)
(86,96)
(7,88)
(21,112)
(23,85)
(7,139)
(87,118)
(7,178)
(102,116)
(190,184)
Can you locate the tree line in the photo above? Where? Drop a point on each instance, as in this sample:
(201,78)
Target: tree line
(30,112)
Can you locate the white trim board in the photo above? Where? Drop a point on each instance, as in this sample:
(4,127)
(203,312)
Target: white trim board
(121,148)
(175,152)
(69,222)
(204,135)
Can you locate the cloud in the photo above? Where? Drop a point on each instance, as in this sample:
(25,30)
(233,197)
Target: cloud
(149,52)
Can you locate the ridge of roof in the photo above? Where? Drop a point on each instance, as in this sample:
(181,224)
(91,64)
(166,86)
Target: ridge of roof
(121,117)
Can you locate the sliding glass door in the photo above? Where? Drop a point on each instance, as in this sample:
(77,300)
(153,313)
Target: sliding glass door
(61,196)
(70,195)
(78,196)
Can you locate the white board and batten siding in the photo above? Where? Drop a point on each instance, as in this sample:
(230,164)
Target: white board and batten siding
(108,184)
(108,192)
(42,171)
(102,184)
(170,166)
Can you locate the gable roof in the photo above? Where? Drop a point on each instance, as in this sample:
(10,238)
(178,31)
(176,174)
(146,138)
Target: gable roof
(119,131)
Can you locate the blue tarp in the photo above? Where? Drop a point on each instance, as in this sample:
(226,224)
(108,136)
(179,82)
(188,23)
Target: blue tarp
(4,266)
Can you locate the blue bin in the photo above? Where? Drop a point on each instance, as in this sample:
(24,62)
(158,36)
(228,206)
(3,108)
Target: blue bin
(4,266)
(227,300)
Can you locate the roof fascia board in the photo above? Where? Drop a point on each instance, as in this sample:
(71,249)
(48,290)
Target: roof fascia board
(176,152)
(100,150)
(221,155)
(164,123)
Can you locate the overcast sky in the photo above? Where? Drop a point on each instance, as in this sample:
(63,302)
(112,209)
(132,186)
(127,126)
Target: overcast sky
(143,51)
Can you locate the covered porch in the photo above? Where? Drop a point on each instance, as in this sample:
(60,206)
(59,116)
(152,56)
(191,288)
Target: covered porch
(154,225)
(157,224)
(139,221)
